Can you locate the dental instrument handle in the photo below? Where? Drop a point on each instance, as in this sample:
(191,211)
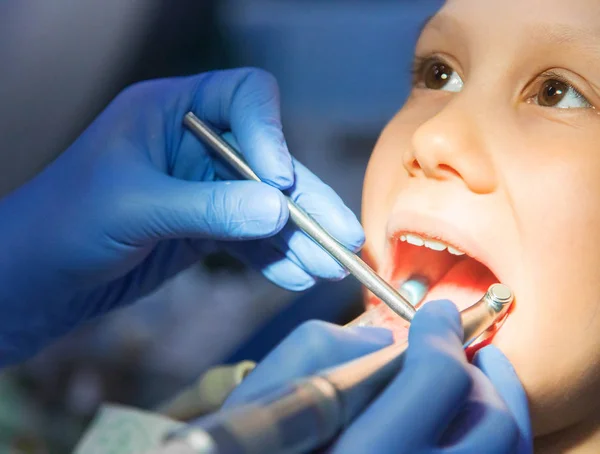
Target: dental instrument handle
(309,413)
(350,261)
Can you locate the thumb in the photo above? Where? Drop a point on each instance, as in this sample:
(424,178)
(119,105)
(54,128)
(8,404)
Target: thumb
(230,210)
(492,362)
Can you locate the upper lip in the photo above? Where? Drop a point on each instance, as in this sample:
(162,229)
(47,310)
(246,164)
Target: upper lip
(444,230)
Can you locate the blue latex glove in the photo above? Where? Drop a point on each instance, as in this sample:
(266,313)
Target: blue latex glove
(137,198)
(438,403)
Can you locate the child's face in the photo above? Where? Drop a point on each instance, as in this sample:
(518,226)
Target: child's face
(497,152)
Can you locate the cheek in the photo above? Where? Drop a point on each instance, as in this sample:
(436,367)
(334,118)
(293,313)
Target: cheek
(384,179)
(552,338)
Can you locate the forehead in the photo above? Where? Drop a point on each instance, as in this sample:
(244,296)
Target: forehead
(513,14)
(543,32)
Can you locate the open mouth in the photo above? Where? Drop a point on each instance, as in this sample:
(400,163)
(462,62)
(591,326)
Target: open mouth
(451,273)
(444,266)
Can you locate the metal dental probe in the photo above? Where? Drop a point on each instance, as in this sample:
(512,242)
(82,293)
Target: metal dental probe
(350,261)
(310,412)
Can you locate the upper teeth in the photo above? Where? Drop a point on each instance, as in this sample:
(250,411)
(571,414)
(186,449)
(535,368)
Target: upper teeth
(436,245)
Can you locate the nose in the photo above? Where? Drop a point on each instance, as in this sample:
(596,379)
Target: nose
(450,145)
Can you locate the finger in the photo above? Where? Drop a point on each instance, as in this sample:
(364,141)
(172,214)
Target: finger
(323,204)
(326,207)
(162,207)
(492,362)
(273,264)
(413,411)
(246,101)
(281,248)
(484,424)
(312,347)
(193,161)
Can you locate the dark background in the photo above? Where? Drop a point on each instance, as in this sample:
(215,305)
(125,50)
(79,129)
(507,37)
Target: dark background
(343,68)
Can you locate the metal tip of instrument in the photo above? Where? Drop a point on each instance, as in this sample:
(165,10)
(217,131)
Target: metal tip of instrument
(489,311)
(499,297)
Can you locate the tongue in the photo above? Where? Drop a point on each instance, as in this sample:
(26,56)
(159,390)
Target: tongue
(464,284)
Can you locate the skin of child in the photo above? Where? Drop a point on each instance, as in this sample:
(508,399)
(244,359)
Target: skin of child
(497,153)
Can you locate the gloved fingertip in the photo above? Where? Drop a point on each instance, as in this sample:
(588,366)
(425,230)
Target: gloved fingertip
(281,171)
(440,312)
(445,308)
(270,207)
(491,353)
(348,228)
(376,335)
(341,274)
(490,358)
(265,209)
(354,235)
(281,175)
(295,281)
(283,212)
(302,286)
(359,238)
(327,268)
(282,180)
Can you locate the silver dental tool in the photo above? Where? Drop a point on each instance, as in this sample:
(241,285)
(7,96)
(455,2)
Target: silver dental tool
(310,412)
(350,261)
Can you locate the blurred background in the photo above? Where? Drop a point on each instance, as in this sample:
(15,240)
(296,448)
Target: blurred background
(344,69)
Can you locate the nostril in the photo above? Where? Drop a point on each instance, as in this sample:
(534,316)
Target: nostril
(449,169)
(411,163)
(414,165)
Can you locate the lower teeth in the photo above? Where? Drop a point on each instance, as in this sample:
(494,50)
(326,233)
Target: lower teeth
(414,289)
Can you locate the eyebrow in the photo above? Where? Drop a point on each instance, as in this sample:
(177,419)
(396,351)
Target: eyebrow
(586,40)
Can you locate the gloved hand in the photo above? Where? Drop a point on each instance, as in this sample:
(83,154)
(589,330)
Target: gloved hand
(137,198)
(437,403)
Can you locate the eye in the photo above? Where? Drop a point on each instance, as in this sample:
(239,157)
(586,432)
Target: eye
(434,74)
(561,95)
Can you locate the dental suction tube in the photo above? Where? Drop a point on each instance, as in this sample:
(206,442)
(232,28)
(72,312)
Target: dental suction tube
(307,414)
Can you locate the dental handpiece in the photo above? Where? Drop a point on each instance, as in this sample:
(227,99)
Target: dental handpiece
(350,261)
(309,413)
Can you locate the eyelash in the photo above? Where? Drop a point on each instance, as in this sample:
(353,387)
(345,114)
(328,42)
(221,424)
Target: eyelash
(552,75)
(418,66)
(420,63)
